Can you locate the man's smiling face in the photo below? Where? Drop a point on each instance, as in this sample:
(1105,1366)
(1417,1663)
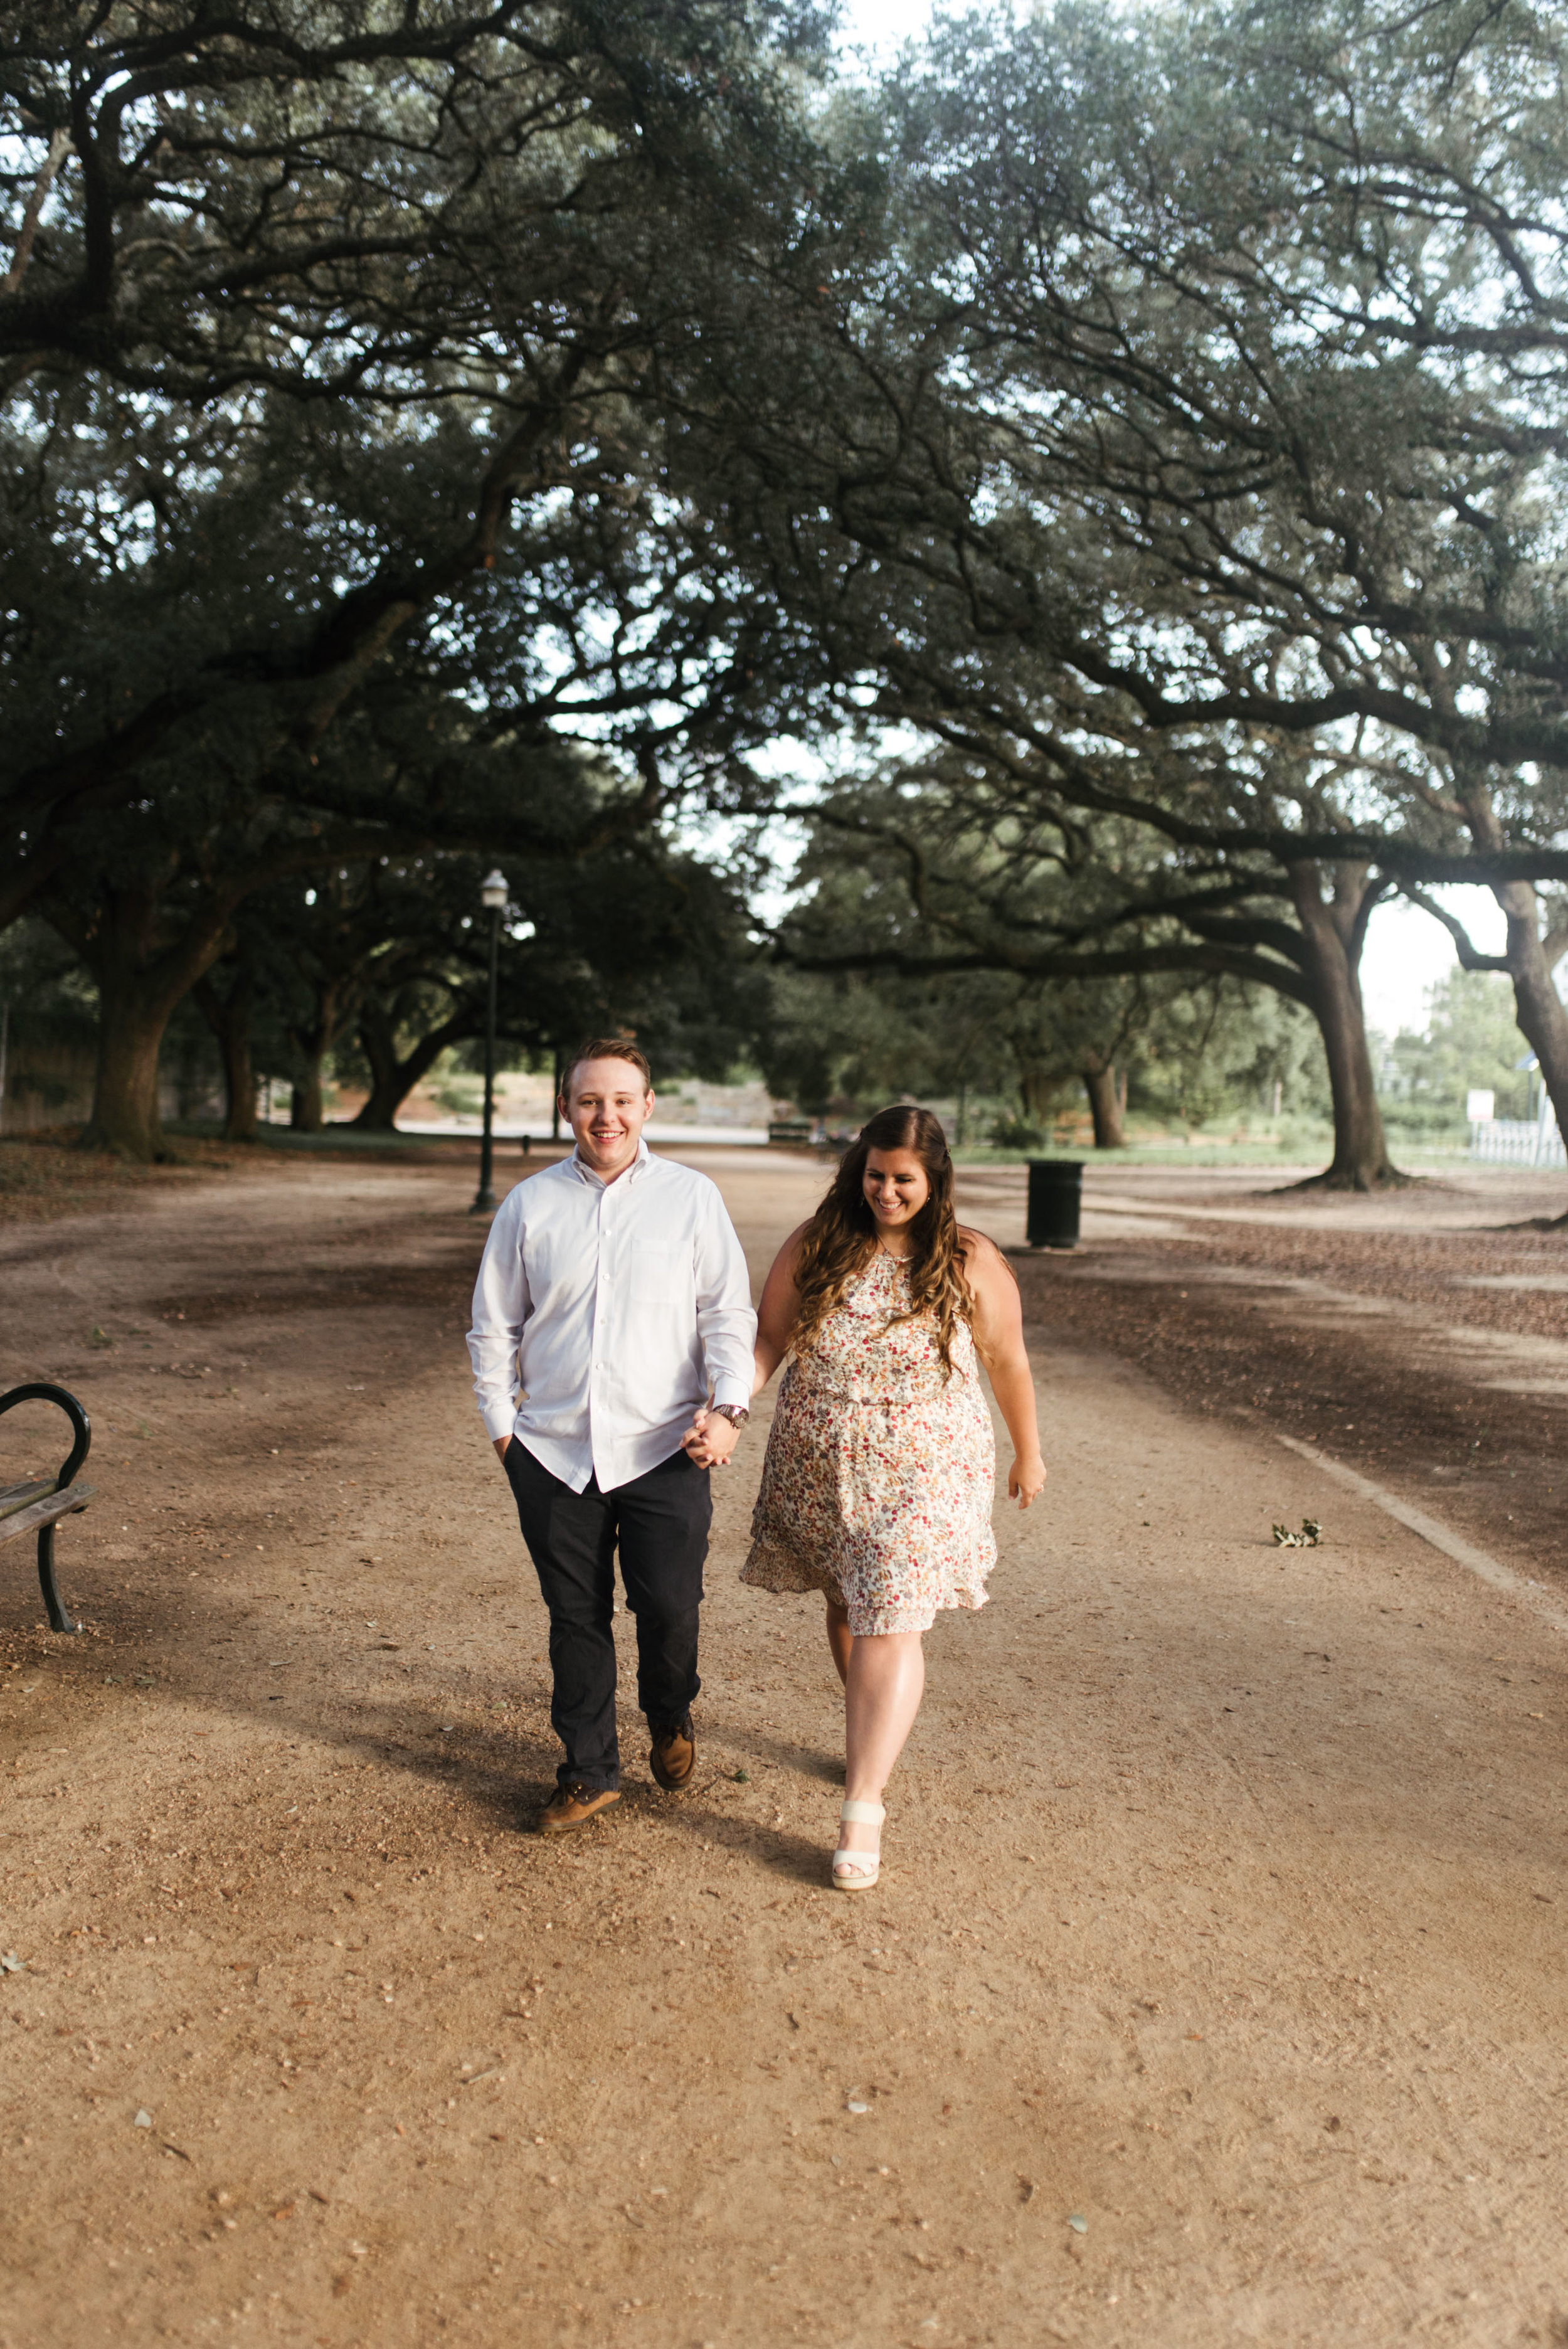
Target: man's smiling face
(607,1107)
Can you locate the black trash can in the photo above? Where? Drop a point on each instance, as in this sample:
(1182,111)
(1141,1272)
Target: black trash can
(1056,1201)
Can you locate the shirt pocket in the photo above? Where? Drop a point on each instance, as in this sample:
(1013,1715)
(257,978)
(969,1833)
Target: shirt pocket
(658,1274)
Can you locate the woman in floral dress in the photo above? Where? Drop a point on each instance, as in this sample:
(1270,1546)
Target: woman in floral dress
(880,1477)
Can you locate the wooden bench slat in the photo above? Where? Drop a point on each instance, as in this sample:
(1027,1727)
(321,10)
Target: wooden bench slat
(41,1511)
(16,1496)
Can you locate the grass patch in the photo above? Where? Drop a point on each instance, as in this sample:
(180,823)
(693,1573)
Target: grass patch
(332,1139)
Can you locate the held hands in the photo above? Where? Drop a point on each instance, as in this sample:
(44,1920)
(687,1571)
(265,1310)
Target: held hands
(709,1439)
(1026,1479)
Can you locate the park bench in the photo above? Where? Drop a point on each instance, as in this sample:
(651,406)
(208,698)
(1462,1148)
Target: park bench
(793,1130)
(36,1505)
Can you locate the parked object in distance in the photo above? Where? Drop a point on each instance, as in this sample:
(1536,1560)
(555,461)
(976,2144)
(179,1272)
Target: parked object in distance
(1056,1202)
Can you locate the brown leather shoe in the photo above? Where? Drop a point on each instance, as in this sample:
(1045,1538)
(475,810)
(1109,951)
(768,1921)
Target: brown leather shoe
(574,1806)
(673,1756)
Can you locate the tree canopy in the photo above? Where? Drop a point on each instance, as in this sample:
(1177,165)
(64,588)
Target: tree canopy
(338,524)
(446,431)
(1191,453)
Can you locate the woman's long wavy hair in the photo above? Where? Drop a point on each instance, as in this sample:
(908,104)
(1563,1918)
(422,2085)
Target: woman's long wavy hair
(841,1236)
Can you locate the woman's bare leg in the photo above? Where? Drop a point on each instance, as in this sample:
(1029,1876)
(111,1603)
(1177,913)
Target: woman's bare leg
(882,1689)
(841,1638)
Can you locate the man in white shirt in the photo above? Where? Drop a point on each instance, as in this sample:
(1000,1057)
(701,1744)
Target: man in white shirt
(612,1307)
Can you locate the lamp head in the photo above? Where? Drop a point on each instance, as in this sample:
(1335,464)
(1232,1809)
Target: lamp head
(493,891)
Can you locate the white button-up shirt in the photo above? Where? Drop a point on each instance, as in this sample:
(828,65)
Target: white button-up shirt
(605,1312)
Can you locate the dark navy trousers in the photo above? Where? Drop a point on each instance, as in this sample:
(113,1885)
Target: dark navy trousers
(660,1524)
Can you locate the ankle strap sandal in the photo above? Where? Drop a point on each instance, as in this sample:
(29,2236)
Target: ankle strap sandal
(857,1871)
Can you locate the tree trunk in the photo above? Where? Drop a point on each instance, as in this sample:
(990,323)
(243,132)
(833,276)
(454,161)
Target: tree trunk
(312,1044)
(191,1090)
(125,1115)
(230,1020)
(380,1046)
(1538,1006)
(1527,957)
(304,1105)
(138,987)
(1105,1105)
(1334,930)
(392,1080)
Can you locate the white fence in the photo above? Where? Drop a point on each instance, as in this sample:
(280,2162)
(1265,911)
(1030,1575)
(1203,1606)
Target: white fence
(1518,1141)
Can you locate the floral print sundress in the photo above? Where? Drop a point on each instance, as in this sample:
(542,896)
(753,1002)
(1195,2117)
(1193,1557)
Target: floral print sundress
(880,1477)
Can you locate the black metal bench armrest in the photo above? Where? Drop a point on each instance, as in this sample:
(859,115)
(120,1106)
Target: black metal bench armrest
(40,1391)
(67,1497)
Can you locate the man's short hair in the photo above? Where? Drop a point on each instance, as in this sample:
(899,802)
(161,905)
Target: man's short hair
(607,1048)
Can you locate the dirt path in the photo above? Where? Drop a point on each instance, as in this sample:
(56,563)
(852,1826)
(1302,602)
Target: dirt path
(1420,1338)
(1215,1992)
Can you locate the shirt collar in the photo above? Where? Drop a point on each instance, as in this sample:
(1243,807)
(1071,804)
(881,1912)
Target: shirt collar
(586,1173)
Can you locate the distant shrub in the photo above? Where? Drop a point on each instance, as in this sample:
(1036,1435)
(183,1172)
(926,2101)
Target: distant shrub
(1011,1132)
(459,1096)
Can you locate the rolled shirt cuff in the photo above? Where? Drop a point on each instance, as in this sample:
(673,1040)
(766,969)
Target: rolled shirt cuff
(500,1419)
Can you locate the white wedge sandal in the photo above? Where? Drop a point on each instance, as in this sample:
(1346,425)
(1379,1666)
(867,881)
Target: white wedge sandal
(857,1871)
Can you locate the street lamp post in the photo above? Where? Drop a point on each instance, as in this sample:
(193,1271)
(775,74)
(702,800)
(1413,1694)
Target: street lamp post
(493,893)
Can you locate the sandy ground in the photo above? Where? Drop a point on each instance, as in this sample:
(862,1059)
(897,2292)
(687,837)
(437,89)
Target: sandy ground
(1214,1992)
(1421,1336)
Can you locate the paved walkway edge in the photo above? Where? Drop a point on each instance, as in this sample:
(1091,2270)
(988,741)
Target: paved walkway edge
(1453,1545)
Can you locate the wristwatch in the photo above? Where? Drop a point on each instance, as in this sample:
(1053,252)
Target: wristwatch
(736,1412)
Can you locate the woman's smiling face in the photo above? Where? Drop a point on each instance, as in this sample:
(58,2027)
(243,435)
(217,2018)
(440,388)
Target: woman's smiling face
(896,1187)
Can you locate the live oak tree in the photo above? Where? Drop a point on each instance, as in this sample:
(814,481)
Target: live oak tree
(356,956)
(1168,419)
(307,307)
(48,1016)
(1080,941)
(1300,273)
(872,1001)
(380,969)
(236,997)
(336,198)
(323,941)
(1196,455)
(172,561)
(1006,873)
(637,937)
(842,1044)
